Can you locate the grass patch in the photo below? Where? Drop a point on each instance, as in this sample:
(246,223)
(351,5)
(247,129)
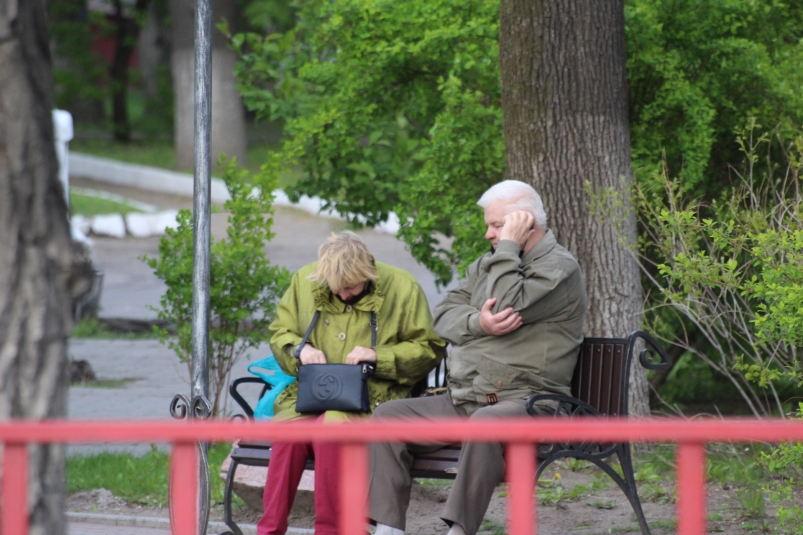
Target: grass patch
(435,484)
(153,153)
(103,383)
(92,328)
(89,205)
(142,480)
(495,528)
(160,153)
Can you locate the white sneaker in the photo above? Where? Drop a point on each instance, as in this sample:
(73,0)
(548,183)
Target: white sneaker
(382,529)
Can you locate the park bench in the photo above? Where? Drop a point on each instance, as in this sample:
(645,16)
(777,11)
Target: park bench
(599,388)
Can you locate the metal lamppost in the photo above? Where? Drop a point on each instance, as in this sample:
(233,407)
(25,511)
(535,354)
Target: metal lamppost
(199,406)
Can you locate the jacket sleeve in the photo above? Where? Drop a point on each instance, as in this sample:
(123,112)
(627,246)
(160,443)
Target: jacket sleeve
(284,329)
(526,293)
(456,320)
(417,349)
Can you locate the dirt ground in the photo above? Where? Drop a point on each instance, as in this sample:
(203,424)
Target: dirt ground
(584,501)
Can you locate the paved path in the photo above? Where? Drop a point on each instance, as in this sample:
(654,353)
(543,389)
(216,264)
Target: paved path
(130,288)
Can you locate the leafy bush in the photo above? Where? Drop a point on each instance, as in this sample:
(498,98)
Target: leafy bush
(696,70)
(726,277)
(244,287)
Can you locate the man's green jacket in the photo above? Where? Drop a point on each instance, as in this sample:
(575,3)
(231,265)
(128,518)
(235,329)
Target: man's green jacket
(546,287)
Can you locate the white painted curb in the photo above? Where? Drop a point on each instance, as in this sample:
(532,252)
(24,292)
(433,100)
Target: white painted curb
(163,181)
(140,176)
(162,523)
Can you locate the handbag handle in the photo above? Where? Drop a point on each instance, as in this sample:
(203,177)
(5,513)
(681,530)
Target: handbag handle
(315,317)
(306,335)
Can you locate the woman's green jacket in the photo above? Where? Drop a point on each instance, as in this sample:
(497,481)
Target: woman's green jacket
(407,348)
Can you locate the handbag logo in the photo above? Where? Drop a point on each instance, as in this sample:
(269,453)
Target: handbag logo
(327,387)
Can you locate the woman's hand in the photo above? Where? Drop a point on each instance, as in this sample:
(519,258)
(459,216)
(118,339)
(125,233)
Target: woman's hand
(310,355)
(361,354)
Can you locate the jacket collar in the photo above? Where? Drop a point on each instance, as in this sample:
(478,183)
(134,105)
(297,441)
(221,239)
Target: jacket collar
(544,246)
(326,301)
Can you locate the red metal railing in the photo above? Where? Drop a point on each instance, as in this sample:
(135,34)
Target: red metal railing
(519,435)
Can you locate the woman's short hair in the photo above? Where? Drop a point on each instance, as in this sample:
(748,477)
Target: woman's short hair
(343,262)
(517,196)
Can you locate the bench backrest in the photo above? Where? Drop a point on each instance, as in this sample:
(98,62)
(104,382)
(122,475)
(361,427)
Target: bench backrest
(601,375)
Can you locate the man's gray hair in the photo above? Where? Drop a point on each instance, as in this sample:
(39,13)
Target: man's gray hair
(517,196)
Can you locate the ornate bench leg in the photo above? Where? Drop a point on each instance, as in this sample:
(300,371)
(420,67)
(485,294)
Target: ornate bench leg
(627,469)
(228,492)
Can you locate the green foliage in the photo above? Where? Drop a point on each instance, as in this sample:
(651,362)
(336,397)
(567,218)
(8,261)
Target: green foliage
(269,16)
(244,287)
(395,106)
(78,71)
(81,75)
(730,272)
(389,106)
(697,70)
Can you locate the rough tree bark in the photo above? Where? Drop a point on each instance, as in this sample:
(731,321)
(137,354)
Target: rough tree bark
(228,116)
(41,268)
(564,103)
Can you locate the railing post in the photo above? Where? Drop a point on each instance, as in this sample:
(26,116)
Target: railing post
(353,488)
(520,464)
(691,489)
(184,489)
(14,514)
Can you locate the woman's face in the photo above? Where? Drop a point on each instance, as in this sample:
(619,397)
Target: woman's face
(346,294)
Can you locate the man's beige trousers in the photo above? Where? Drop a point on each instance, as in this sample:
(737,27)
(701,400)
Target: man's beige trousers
(480,468)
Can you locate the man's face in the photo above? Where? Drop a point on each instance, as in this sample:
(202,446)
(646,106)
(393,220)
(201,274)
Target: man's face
(495,220)
(346,294)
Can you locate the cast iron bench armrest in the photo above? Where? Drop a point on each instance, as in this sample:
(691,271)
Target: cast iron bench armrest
(235,394)
(653,350)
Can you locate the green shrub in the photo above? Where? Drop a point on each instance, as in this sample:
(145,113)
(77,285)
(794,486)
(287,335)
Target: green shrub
(244,288)
(725,278)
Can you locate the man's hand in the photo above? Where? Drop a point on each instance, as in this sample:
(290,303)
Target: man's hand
(501,323)
(310,355)
(519,226)
(361,354)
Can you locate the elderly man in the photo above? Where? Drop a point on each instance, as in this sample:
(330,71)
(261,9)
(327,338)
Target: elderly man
(515,323)
(358,300)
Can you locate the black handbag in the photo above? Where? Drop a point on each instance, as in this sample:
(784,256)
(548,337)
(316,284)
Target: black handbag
(333,387)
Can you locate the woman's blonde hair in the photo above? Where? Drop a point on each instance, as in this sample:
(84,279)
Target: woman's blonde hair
(343,262)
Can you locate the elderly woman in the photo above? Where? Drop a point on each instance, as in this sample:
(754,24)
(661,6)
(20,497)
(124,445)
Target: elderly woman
(346,286)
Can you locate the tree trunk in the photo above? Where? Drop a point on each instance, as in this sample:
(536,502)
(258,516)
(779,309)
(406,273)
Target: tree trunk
(126,37)
(228,116)
(564,104)
(41,267)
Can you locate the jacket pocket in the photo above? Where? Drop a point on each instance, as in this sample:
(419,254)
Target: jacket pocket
(495,376)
